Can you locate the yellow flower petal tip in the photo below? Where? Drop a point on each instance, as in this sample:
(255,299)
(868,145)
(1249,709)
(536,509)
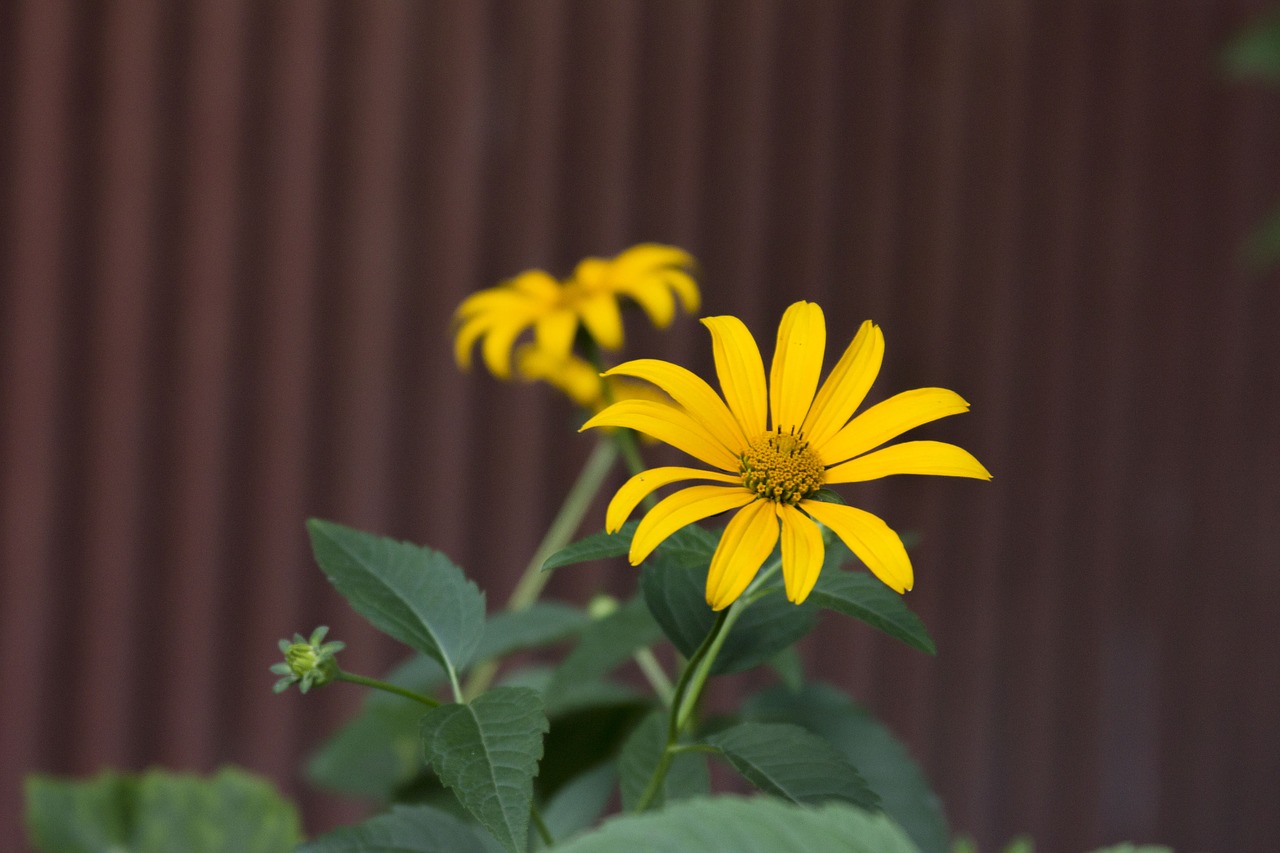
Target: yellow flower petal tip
(774,444)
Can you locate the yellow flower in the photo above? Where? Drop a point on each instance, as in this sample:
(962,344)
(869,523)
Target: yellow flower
(651,275)
(775,446)
(579,380)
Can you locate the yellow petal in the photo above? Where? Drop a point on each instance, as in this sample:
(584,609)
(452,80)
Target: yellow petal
(682,508)
(847,386)
(889,419)
(909,457)
(797,364)
(539,285)
(468,333)
(685,288)
(747,541)
(634,490)
(802,552)
(669,424)
(554,332)
(651,256)
(601,317)
(690,391)
(741,372)
(497,344)
(653,295)
(869,538)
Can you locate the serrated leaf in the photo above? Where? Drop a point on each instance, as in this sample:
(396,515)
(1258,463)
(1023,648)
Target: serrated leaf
(686,777)
(674,583)
(597,546)
(740,825)
(865,597)
(230,812)
(789,762)
(579,803)
(605,645)
(405,829)
(487,753)
(540,624)
(881,758)
(414,594)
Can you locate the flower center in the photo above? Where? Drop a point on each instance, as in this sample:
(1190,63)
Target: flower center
(781,467)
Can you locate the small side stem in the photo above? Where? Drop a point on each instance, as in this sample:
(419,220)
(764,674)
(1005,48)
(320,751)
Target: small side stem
(544,832)
(655,674)
(364,680)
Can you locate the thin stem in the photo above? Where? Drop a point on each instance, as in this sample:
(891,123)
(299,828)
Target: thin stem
(702,670)
(576,504)
(681,698)
(543,831)
(351,677)
(655,674)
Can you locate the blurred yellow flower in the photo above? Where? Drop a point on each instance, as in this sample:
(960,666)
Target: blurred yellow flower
(579,380)
(652,275)
(775,446)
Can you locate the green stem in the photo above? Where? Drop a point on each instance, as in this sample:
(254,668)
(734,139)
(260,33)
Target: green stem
(543,831)
(655,675)
(683,697)
(352,678)
(594,472)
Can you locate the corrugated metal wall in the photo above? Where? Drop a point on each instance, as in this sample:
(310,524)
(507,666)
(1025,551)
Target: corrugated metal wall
(232,233)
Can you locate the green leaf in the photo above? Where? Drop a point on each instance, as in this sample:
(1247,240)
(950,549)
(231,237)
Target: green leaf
(540,624)
(580,803)
(687,776)
(374,755)
(864,597)
(405,829)
(230,812)
(880,758)
(674,583)
(606,644)
(789,762)
(74,816)
(1256,52)
(597,546)
(789,667)
(487,753)
(413,594)
(740,825)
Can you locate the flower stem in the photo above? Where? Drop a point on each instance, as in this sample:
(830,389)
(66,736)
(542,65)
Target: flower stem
(351,677)
(688,688)
(531,583)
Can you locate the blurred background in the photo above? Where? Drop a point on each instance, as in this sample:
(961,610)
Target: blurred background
(232,235)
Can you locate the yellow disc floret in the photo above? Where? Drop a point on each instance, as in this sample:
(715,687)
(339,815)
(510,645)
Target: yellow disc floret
(781,467)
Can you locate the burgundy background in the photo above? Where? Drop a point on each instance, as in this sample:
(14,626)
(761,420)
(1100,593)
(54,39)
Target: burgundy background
(232,234)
